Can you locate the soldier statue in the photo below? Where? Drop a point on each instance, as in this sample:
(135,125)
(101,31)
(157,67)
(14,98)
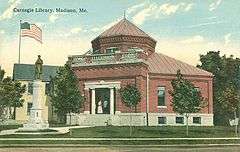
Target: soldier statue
(38,68)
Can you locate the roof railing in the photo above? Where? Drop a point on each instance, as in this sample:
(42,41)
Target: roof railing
(104,59)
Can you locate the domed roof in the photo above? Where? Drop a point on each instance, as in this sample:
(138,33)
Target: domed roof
(124,35)
(124,27)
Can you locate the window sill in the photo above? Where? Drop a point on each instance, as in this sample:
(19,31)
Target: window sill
(162,106)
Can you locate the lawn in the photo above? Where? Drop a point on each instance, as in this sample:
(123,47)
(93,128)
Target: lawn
(144,132)
(159,132)
(123,132)
(6,127)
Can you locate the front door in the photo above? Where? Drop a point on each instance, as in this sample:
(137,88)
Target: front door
(102,101)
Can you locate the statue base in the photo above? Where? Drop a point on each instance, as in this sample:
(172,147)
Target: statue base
(34,127)
(36,121)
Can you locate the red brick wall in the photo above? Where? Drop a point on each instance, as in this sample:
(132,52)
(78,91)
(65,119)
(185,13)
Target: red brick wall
(126,74)
(204,84)
(124,43)
(136,74)
(111,71)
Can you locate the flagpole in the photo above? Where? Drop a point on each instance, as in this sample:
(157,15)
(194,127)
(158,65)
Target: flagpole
(19,45)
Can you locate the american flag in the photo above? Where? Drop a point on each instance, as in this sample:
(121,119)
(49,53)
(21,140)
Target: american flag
(32,31)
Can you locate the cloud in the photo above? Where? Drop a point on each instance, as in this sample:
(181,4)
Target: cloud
(30,49)
(210,18)
(168,9)
(194,39)
(227,38)
(76,30)
(154,11)
(214,5)
(40,24)
(8,13)
(2,31)
(134,8)
(95,29)
(205,24)
(54,16)
(188,7)
(140,17)
(106,26)
(11,1)
(190,53)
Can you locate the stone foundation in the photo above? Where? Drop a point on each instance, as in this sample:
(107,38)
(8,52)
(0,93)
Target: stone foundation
(138,119)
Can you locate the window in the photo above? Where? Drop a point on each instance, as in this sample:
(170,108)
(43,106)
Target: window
(197,120)
(179,120)
(29,106)
(162,120)
(161,96)
(47,88)
(111,50)
(30,87)
(134,49)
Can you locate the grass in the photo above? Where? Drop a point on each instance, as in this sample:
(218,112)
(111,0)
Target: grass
(159,132)
(6,127)
(142,132)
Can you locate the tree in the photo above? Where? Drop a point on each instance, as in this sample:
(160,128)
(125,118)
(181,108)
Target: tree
(10,95)
(17,100)
(230,100)
(3,102)
(66,97)
(225,71)
(131,96)
(2,72)
(186,98)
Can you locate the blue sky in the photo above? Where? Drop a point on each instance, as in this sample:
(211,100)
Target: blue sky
(183,28)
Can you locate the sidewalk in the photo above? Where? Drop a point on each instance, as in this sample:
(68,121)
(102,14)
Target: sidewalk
(60,130)
(98,145)
(115,139)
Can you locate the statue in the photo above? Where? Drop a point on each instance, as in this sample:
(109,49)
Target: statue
(38,68)
(36,121)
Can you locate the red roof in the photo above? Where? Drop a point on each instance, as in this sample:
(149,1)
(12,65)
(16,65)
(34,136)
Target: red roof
(162,64)
(124,27)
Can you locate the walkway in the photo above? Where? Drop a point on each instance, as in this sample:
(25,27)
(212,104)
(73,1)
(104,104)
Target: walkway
(60,130)
(118,139)
(122,149)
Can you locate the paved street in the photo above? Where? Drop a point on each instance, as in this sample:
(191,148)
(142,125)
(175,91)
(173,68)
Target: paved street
(122,149)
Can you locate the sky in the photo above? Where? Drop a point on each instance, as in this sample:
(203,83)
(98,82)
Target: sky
(183,29)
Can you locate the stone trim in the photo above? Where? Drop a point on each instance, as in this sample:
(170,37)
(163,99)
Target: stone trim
(102,84)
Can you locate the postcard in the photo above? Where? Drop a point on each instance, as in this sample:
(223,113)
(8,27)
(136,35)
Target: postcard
(140,75)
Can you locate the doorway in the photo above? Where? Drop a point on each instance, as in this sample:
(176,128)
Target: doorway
(102,101)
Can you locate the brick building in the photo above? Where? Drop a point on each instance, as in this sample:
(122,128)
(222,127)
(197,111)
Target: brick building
(122,55)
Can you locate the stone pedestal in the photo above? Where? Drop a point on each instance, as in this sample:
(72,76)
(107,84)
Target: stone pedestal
(36,121)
